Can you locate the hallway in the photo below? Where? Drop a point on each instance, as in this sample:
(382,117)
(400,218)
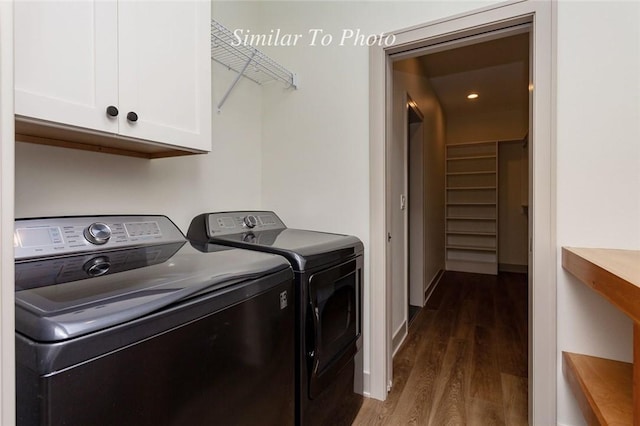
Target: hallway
(464,361)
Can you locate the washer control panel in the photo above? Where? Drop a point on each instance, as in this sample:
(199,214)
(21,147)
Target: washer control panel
(66,235)
(242,221)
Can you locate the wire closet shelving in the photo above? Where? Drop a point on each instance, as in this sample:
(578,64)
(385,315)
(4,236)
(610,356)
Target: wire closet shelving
(245,60)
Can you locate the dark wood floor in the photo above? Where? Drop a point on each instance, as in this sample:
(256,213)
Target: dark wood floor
(465,359)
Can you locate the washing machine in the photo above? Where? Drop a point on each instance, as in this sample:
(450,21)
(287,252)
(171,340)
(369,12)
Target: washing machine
(119,321)
(328,297)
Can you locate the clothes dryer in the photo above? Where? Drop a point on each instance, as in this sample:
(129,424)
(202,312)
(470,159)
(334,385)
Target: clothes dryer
(328,296)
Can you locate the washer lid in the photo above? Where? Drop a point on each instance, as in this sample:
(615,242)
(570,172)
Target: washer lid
(59,299)
(304,249)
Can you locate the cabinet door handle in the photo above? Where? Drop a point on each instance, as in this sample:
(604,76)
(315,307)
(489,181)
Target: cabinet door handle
(132,116)
(112,111)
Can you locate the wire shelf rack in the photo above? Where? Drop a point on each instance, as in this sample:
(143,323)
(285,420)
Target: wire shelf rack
(245,60)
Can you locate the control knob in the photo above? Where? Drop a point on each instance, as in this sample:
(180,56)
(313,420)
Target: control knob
(249,237)
(97,266)
(250,221)
(97,233)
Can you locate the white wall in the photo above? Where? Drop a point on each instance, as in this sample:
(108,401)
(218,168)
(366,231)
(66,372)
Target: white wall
(513,248)
(598,168)
(58,181)
(487,125)
(7,323)
(435,141)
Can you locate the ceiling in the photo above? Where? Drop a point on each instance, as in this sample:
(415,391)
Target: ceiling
(498,70)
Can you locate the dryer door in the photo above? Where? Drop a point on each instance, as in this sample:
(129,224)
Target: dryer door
(334,322)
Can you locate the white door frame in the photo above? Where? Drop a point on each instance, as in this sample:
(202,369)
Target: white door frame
(542,277)
(7,149)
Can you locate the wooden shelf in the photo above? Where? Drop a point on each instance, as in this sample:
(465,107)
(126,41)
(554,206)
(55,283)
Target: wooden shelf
(614,274)
(488,234)
(464,188)
(474,143)
(602,387)
(491,172)
(469,218)
(471,204)
(471,248)
(474,157)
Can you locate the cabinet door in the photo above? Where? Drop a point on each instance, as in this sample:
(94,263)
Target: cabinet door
(165,71)
(66,63)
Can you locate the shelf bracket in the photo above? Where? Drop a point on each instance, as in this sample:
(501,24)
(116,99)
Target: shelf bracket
(240,74)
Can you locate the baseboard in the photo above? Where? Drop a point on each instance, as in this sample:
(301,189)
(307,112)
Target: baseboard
(432,285)
(507,267)
(366,384)
(474,267)
(398,337)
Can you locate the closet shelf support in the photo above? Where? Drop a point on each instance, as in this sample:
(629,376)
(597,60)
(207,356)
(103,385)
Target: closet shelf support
(235,81)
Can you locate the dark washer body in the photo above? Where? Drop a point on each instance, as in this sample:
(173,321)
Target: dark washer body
(119,321)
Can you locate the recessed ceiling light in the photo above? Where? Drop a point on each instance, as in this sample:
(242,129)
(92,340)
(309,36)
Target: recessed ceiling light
(472,96)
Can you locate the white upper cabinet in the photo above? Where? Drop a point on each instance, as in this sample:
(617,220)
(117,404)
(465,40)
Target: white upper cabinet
(66,62)
(165,71)
(80,63)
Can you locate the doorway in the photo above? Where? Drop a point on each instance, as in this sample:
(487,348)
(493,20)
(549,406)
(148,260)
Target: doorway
(478,95)
(461,180)
(489,23)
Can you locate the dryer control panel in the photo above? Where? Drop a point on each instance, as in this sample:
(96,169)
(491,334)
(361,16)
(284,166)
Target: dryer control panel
(225,223)
(34,238)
